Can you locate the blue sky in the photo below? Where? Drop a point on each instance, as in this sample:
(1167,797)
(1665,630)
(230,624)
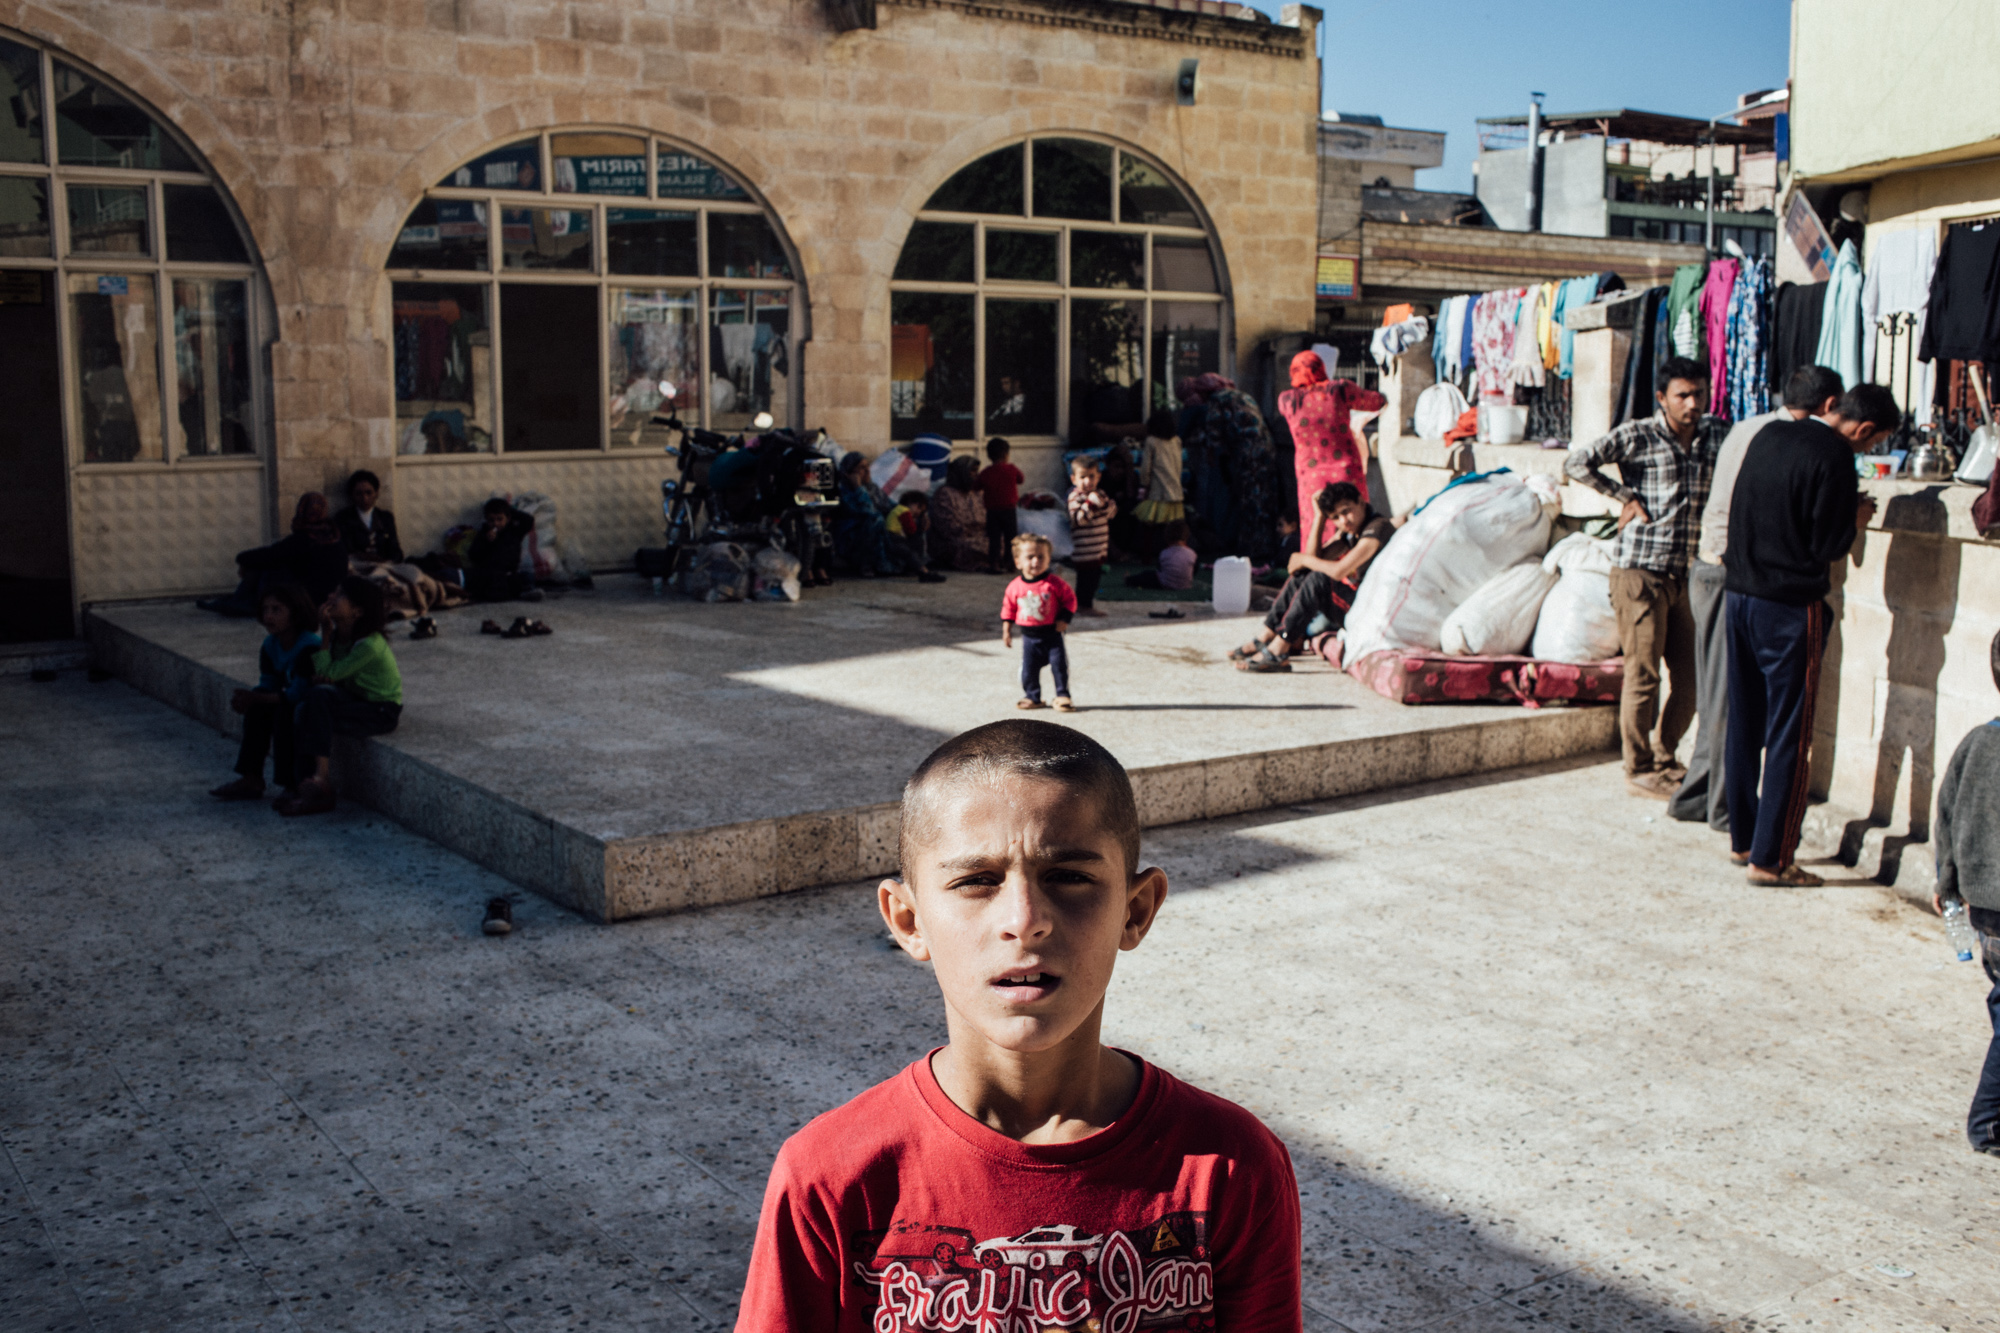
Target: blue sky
(1442,64)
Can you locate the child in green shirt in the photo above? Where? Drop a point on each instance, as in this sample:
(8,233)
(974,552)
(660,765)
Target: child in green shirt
(356,690)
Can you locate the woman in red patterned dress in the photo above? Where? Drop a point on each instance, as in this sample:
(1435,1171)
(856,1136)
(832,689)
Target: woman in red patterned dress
(1324,448)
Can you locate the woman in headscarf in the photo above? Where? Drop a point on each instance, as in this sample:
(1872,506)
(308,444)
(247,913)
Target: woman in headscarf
(958,518)
(314,557)
(859,533)
(1324,448)
(1233,466)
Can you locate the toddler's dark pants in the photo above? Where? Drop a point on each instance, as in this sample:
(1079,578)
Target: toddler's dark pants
(1002,526)
(327,711)
(267,729)
(1089,573)
(1043,647)
(1774,661)
(1982,1124)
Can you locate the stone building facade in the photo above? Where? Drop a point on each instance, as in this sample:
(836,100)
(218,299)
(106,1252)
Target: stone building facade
(340,134)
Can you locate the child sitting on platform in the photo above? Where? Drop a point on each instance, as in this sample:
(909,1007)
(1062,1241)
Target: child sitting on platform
(356,690)
(284,667)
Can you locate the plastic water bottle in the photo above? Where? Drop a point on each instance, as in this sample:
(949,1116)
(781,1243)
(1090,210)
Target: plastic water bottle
(1958,931)
(1232,585)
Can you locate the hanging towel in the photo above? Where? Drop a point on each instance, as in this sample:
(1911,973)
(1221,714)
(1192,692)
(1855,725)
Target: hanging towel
(1749,336)
(1840,323)
(1715,294)
(1529,316)
(1493,345)
(1900,267)
(1683,309)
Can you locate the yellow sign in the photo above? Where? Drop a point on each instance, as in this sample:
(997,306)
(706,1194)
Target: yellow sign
(1338,278)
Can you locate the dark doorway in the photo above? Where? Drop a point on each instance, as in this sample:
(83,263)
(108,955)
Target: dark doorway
(34,541)
(550,383)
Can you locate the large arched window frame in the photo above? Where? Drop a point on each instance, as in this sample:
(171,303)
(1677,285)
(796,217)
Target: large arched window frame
(109,217)
(679,271)
(1027,306)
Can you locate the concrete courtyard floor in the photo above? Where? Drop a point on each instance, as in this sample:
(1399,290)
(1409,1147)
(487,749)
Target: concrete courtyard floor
(1541,1057)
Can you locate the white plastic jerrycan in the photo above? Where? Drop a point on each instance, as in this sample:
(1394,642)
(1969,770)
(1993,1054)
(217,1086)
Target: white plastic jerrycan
(1232,585)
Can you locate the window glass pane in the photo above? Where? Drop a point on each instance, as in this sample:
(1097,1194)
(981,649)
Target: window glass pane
(518,166)
(1021,256)
(598,164)
(742,245)
(550,378)
(937,252)
(930,364)
(990,185)
(24,216)
(108,219)
(1073,179)
(1182,266)
(442,234)
(1021,367)
(749,362)
(95,127)
(444,368)
(1107,259)
(118,366)
(1187,340)
(685,176)
(1106,345)
(199,228)
(21,98)
(654,337)
(545,239)
(659,245)
(212,366)
(1146,196)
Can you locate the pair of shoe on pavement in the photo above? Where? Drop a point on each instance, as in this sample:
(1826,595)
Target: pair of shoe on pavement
(311,797)
(522,628)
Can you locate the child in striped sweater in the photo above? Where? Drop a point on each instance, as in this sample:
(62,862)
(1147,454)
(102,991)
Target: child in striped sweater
(1090,515)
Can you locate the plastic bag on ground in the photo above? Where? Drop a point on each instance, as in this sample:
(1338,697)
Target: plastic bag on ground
(1577,623)
(775,576)
(719,572)
(1050,523)
(1458,540)
(1499,618)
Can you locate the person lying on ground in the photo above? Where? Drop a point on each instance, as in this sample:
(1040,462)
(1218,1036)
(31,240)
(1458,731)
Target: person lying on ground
(284,668)
(370,533)
(1177,562)
(908,527)
(356,690)
(1025,1170)
(312,556)
(1321,587)
(493,571)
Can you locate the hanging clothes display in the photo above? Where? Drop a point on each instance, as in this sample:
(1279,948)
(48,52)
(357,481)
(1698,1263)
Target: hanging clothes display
(1747,389)
(1635,396)
(1900,267)
(1684,309)
(1493,344)
(1962,322)
(1547,327)
(1715,294)
(1795,329)
(1466,330)
(1526,370)
(1840,322)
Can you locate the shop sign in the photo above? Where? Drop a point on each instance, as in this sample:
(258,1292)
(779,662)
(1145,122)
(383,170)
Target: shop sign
(685,176)
(601,175)
(1338,278)
(113,285)
(1808,237)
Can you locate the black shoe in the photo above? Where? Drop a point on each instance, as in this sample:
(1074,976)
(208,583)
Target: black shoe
(499,917)
(424,627)
(930,576)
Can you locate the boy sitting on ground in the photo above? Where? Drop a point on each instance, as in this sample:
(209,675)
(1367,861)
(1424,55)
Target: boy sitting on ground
(909,532)
(1025,1175)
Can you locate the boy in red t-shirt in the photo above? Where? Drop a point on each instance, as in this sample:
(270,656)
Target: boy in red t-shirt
(1026,1176)
(1001,486)
(1040,604)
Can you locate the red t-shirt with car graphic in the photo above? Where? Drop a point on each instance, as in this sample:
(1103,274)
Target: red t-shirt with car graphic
(899,1212)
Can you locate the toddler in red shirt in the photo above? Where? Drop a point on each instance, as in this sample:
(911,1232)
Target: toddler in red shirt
(1026,1176)
(1000,486)
(1040,604)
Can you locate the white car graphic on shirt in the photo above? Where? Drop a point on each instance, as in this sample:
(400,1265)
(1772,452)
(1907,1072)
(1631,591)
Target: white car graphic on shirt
(1044,1247)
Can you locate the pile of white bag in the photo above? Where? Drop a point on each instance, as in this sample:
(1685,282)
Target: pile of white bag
(1455,543)
(1577,623)
(1499,618)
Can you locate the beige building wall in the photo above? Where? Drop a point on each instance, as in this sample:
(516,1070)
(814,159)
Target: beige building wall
(327,121)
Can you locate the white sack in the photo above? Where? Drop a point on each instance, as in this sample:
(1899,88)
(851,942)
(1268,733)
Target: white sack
(1461,538)
(1438,410)
(1050,523)
(1577,623)
(896,474)
(1499,617)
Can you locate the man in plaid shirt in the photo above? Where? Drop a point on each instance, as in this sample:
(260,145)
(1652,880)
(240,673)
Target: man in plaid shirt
(1666,462)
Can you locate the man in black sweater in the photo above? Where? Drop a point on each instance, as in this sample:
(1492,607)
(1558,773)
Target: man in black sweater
(1794,511)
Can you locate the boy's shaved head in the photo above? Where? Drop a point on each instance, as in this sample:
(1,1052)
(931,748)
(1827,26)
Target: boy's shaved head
(1020,748)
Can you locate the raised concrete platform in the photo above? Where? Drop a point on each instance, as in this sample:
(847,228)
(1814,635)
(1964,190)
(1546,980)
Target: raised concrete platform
(657,753)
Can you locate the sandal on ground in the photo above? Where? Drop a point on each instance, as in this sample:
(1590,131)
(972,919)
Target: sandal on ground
(1246,652)
(1171,613)
(1791,877)
(1265,662)
(539,627)
(424,627)
(490,627)
(313,798)
(1025,704)
(243,789)
(1739,859)
(1064,704)
(518,630)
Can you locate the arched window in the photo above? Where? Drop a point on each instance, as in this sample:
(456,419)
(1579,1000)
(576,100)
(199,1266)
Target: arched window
(1049,288)
(543,291)
(109,219)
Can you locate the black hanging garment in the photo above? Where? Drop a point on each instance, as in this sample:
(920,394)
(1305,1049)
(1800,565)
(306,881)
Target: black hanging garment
(1795,330)
(1963,321)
